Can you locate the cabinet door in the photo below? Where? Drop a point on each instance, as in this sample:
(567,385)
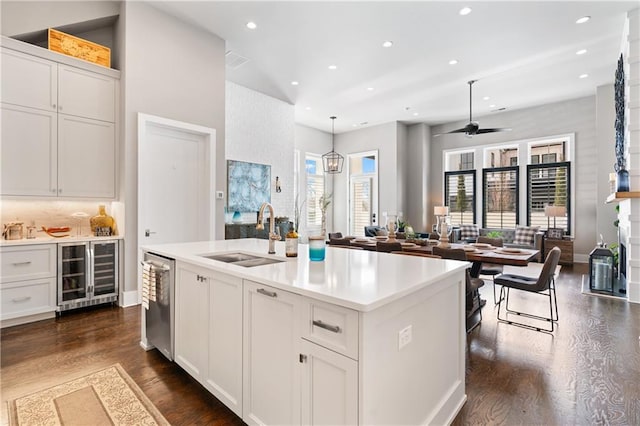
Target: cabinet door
(329,387)
(73,268)
(86,158)
(191,323)
(28,81)
(224,375)
(86,94)
(105,267)
(28,151)
(271,376)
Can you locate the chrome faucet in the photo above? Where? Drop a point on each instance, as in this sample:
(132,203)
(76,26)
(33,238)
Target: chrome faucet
(273,237)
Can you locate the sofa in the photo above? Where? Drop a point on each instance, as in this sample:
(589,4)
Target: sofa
(526,238)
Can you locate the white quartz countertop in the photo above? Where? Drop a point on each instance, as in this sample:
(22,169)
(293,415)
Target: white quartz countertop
(43,238)
(357,279)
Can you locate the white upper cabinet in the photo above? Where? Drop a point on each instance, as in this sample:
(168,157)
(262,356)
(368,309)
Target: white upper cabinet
(58,129)
(86,157)
(29,81)
(86,94)
(28,152)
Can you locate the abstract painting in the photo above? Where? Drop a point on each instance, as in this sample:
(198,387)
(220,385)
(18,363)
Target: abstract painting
(249,185)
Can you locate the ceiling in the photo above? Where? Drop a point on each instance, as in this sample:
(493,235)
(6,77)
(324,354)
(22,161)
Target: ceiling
(522,54)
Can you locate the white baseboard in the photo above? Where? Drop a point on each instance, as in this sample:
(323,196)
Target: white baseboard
(129,298)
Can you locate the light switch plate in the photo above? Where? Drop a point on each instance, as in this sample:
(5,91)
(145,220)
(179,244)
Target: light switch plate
(404,337)
(219,195)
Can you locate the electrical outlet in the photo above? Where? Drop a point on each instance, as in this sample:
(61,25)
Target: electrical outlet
(404,337)
(219,195)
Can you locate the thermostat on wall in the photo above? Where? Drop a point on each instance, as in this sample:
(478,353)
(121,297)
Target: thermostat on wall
(219,195)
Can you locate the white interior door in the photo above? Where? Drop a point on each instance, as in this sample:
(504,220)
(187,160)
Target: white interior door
(176,163)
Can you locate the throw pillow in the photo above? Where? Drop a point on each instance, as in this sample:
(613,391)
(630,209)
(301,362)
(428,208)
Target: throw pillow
(526,236)
(469,232)
(382,233)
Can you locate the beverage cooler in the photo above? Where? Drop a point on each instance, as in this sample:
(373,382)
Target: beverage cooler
(87,274)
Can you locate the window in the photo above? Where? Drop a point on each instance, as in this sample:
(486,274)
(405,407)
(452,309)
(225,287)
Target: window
(460,196)
(459,160)
(549,158)
(315,190)
(501,157)
(548,184)
(363,191)
(500,197)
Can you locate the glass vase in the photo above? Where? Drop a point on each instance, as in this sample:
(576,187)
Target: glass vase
(622,181)
(102,225)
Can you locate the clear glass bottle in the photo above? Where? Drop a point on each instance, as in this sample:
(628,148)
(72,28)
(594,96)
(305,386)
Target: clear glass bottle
(102,224)
(291,243)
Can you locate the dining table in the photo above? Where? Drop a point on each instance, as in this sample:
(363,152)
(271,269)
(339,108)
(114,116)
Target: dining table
(477,254)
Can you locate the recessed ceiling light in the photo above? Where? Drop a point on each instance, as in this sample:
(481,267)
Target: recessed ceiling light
(294,83)
(492,106)
(308,108)
(355,125)
(415,114)
(465,11)
(453,62)
(581,52)
(370,89)
(583,19)
(387,43)
(486,98)
(583,76)
(333,67)
(252,25)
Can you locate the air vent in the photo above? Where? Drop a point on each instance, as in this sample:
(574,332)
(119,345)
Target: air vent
(499,109)
(234,61)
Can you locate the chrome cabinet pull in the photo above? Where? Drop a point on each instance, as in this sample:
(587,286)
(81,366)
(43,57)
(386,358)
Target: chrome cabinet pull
(267,292)
(332,328)
(21,299)
(21,263)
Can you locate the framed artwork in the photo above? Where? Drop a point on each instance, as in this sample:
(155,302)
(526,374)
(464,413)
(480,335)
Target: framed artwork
(248,186)
(555,233)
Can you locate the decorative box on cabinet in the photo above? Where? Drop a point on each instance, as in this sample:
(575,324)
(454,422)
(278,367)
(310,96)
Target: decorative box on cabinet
(59,121)
(27,283)
(566,249)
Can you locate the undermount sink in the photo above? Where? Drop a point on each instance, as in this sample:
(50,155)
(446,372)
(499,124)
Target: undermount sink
(242,259)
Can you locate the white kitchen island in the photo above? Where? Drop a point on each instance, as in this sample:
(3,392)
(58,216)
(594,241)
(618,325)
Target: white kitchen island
(360,338)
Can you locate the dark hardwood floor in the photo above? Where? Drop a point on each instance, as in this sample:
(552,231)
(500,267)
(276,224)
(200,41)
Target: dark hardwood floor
(587,372)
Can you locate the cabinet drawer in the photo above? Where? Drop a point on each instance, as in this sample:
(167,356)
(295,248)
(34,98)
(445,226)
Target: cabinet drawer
(28,262)
(333,327)
(27,298)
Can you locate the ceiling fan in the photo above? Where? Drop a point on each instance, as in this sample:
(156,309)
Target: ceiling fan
(473,128)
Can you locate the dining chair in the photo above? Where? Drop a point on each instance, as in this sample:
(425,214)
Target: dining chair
(544,285)
(491,269)
(416,253)
(473,303)
(388,247)
(340,241)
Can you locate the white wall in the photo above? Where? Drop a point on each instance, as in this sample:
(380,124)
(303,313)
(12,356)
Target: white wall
(261,129)
(418,159)
(312,141)
(402,174)
(163,78)
(573,116)
(384,139)
(22,17)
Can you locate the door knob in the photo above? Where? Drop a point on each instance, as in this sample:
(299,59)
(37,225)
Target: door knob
(148,232)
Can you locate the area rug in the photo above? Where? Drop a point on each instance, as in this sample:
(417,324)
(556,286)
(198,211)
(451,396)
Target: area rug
(105,397)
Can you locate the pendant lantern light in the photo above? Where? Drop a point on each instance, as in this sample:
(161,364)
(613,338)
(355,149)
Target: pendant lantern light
(332,162)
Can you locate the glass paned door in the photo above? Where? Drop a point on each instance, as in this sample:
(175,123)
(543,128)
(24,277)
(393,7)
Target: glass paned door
(73,272)
(105,268)
(360,209)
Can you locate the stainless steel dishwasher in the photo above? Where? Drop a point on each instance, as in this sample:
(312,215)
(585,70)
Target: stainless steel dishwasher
(160,314)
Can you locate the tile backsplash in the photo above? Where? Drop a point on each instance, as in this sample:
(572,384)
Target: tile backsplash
(54,213)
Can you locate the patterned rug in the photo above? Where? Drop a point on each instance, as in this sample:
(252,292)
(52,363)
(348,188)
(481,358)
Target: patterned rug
(106,397)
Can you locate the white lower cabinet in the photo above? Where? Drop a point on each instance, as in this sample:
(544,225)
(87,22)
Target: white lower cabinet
(329,387)
(208,331)
(271,374)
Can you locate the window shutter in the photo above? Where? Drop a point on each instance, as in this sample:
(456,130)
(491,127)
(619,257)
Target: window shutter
(500,197)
